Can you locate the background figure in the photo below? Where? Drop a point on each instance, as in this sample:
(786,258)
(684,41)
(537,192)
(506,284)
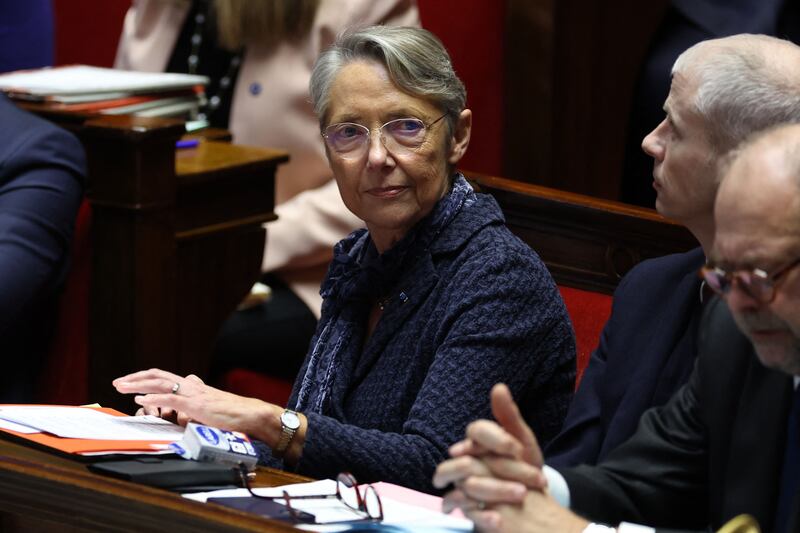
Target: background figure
(685,23)
(42,170)
(259,55)
(26,34)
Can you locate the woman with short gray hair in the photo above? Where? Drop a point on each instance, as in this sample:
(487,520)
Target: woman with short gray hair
(415,61)
(424,310)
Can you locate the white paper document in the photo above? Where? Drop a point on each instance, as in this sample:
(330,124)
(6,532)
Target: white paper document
(82,80)
(398,516)
(19,428)
(83,423)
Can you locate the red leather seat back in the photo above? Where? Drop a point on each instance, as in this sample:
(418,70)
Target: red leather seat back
(256,385)
(589,312)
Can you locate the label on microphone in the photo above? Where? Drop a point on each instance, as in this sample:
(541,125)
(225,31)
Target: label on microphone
(205,443)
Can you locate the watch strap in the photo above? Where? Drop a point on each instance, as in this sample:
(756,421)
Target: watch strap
(287,434)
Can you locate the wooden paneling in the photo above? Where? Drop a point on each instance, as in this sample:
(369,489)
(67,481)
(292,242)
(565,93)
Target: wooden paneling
(528,101)
(571,67)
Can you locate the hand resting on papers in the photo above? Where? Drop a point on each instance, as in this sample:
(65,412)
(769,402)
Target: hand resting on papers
(185,399)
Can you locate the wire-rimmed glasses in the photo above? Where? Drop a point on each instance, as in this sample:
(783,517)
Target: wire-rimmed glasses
(361,499)
(350,140)
(757,283)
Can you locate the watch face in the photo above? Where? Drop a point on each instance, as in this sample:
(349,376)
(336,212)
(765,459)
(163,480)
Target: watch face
(290,419)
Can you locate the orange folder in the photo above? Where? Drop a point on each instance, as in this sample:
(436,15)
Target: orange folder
(84,446)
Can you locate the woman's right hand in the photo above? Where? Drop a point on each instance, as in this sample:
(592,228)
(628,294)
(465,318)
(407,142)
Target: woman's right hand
(185,399)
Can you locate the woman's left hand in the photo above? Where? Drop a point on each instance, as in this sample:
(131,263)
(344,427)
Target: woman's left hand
(185,399)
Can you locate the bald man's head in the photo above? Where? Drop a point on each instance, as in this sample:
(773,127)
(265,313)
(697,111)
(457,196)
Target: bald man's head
(757,243)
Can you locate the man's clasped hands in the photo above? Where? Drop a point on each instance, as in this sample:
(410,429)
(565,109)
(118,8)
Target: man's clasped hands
(498,478)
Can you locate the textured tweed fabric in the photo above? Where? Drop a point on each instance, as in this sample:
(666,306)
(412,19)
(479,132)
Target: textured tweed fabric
(358,277)
(475,307)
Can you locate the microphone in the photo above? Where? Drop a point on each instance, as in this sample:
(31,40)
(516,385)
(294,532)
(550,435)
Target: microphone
(209,444)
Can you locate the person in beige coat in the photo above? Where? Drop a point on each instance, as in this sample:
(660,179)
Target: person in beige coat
(270,107)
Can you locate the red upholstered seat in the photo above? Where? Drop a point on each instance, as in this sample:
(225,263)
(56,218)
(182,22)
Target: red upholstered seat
(256,385)
(589,312)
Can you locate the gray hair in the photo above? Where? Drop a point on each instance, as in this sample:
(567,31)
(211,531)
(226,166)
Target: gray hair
(415,59)
(746,83)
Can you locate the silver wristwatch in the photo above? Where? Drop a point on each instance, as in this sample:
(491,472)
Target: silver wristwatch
(290,423)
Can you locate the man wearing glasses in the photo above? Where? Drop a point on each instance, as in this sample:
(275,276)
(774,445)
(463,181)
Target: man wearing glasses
(729,441)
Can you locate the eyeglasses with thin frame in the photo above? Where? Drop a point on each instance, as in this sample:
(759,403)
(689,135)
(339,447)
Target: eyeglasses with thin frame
(362,499)
(402,135)
(757,283)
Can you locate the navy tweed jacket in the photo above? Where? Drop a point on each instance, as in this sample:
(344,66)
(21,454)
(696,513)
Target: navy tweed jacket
(481,308)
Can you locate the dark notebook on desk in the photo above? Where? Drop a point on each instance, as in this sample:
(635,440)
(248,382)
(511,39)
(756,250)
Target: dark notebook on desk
(267,508)
(169,473)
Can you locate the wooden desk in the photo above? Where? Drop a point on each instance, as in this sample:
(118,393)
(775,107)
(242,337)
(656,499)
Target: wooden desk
(176,239)
(45,493)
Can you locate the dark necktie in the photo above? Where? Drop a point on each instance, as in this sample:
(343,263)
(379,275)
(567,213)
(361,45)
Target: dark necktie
(790,476)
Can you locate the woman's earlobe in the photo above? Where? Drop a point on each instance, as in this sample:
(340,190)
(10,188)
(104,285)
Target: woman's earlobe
(461,136)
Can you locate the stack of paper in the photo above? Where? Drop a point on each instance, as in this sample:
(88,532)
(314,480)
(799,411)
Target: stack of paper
(83,88)
(88,430)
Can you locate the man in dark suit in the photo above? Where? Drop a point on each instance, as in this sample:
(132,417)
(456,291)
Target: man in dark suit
(42,170)
(729,441)
(722,91)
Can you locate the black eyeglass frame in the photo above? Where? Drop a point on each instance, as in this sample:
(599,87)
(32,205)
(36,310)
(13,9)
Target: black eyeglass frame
(721,281)
(344,478)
